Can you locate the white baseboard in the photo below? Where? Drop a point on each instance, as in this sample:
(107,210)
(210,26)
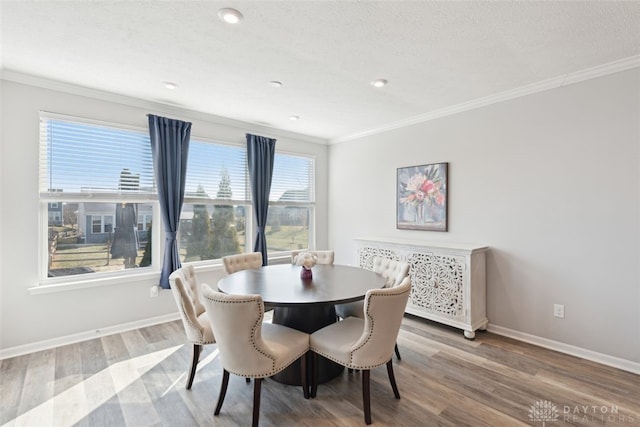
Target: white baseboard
(616,362)
(594,356)
(84,336)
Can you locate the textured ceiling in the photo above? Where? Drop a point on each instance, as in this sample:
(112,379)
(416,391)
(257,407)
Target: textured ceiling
(434,54)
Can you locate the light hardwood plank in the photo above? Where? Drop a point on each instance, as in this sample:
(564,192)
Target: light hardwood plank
(137,378)
(12,376)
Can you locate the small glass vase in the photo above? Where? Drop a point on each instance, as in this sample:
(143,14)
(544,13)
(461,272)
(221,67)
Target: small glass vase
(306,273)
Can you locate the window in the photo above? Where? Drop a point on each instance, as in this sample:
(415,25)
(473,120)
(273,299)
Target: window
(101,223)
(99,199)
(217,216)
(291,203)
(144,222)
(92,177)
(213,222)
(55,217)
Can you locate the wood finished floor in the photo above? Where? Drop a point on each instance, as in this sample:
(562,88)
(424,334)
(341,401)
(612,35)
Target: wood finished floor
(137,378)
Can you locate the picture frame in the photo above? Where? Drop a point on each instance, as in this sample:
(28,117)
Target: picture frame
(422,197)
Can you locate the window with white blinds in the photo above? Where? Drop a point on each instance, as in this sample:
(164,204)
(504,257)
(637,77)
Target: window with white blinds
(86,159)
(217,171)
(216,218)
(99,199)
(293,179)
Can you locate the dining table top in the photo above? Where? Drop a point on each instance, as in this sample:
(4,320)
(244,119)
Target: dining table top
(281,284)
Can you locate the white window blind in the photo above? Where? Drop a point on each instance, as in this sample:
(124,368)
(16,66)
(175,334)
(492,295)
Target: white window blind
(216,171)
(81,159)
(293,179)
(219,172)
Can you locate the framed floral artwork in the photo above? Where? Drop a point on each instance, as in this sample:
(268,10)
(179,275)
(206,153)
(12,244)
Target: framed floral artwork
(422,197)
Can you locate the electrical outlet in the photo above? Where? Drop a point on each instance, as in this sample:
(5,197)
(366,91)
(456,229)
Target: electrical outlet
(558,311)
(155,289)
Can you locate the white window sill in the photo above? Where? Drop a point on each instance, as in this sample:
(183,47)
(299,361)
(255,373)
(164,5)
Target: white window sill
(148,278)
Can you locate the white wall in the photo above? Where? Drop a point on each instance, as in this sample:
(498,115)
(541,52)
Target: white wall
(550,181)
(27,319)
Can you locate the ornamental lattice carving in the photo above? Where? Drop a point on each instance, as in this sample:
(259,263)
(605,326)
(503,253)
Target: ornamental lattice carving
(436,280)
(437,283)
(367,254)
(448,281)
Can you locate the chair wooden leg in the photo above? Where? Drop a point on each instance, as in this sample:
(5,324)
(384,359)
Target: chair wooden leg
(397,352)
(194,364)
(303,375)
(223,391)
(314,375)
(257,382)
(366,396)
(392,379)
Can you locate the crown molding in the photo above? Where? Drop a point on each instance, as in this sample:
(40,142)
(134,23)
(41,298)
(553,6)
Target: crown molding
(154,106)
(553,83)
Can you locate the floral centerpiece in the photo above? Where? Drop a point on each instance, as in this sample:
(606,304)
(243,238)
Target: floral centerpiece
(307,260)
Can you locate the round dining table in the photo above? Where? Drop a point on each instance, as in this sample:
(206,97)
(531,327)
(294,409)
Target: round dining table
(304,304)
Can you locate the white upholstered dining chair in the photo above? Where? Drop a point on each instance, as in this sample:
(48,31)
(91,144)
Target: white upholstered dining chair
(184,287)
(238,262)
(393,271)
(322,257)
(248,347)
(367,343)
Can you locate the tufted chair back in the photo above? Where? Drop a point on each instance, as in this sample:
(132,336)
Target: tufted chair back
(237,319)
(364,343)
(184,287)
(233,263)
(323,257)
(394,271)
(383,309)
(249,347)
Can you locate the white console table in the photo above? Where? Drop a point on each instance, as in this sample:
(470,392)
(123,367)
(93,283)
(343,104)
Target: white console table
(448,280)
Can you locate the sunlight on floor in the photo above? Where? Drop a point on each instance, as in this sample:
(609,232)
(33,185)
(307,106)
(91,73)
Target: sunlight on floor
(77,402)
(201,364)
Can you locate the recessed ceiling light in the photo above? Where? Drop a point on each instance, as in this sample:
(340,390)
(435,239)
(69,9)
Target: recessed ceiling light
(378,83)
(230,16)
(294,118)
(275,83)
(170,85)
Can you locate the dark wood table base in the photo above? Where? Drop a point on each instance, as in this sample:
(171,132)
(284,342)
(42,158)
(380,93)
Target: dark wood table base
(307,318)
